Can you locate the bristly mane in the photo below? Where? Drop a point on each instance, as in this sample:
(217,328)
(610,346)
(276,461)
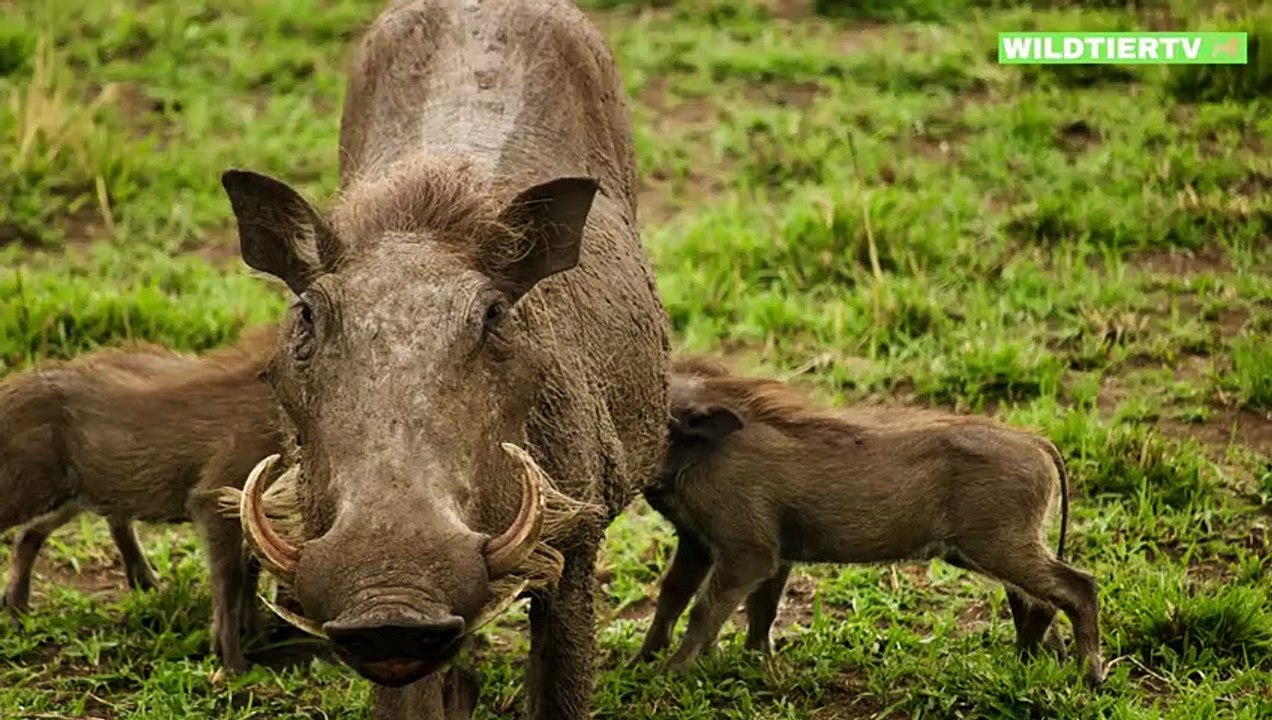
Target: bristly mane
(766,400)
(447,200)
(254,345)
(788,408)
(700,366)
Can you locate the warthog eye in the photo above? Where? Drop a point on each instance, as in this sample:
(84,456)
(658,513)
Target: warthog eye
(303,348)
(494,314)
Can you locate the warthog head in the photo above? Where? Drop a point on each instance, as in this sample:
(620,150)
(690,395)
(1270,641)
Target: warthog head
(405,362)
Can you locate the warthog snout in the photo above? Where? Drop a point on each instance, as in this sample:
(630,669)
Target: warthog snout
(394,604)
(398,649)
(396,585)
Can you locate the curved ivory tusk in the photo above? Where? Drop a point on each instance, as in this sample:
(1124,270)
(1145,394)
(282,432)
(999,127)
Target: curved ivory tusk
(276,554)
(291,618)
(504,554)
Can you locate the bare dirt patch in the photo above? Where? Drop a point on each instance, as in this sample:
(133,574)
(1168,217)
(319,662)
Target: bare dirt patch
(102,581)
(790,9)
(1182,262)
(847,700)
(797,604)
(789,94)
(862,37)
(1244,427)
(1111,394)
(218,248)
(82,227)
(932,148)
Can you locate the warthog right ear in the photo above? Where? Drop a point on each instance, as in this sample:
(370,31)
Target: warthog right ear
(712,423)
(280,233)
(551,217)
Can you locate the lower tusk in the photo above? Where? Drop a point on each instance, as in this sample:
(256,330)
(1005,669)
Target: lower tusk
(276,555)
(291,618)
(268,597)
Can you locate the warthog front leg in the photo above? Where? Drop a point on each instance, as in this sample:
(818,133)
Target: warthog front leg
(563,644)
(732,579)
(139,573)
(459,694)
(251,620)
(26,548)
(421,700)
(761,610)
(452,696)
(689,567)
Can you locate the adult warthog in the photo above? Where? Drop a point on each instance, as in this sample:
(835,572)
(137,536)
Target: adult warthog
(478,288)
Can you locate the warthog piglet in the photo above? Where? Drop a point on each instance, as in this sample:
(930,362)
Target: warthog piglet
(137,433)
(757,477)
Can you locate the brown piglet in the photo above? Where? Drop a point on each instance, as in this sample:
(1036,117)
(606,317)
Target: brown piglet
(758,477)
(139,432)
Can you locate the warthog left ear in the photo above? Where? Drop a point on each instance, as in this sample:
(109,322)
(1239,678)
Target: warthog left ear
(551,217)
(712,423)
(280,233)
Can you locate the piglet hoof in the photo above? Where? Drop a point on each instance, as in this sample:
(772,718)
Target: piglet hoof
(644,655)
(222,675)
(1095,673)
(679,664)
(143,581)
(14,610)
(236,665)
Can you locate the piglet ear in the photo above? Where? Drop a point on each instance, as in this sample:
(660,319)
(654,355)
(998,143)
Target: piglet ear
(712,423)
(551,217)
(279,232)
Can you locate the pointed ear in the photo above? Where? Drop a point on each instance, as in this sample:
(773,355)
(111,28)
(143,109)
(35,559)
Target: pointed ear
(551,217)
(712,423)
(279,232)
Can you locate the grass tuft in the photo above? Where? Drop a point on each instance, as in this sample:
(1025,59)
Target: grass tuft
(1217,83)
(1219,626)
(1250,381)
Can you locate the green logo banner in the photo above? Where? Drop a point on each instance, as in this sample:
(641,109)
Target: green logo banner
(1122,48)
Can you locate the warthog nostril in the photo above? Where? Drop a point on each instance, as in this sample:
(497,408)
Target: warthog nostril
(376,639)
(395,652)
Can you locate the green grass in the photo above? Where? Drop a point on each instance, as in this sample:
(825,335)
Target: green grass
(854,195)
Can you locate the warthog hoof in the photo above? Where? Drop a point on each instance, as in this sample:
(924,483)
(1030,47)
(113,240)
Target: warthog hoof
(234,664)
(14,608)
(143,579)
(1095,673)
(681,662)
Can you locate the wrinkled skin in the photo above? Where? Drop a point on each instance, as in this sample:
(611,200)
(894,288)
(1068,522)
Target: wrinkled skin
(757,478)
(140,433)
(479,281)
